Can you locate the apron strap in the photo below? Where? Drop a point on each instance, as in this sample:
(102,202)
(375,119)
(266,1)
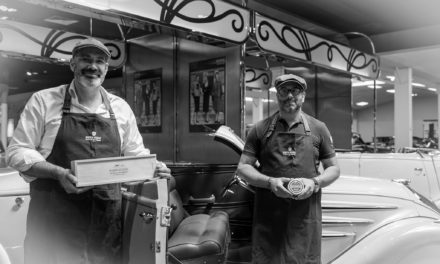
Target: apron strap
(306,124)
(107,103)
(67,100)
(271,129)
(274,121)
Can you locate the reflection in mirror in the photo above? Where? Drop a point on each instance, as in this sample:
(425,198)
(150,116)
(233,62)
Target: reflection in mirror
(366,95)
(328,97)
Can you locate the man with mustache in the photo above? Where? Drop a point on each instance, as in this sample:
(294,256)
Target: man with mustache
(80,120)
(289,146)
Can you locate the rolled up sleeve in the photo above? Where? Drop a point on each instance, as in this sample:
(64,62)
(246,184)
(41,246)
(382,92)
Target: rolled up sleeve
(22,149)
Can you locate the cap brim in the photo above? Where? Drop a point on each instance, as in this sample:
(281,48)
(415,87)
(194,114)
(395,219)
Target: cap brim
(106,52)
(303,87)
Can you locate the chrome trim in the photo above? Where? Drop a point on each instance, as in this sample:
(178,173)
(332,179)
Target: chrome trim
(336,234)
(329,205)
(405,182)
(329,220)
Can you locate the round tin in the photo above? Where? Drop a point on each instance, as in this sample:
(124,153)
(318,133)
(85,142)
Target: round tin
(295,186)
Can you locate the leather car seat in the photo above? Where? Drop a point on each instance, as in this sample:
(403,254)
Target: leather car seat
(199,238)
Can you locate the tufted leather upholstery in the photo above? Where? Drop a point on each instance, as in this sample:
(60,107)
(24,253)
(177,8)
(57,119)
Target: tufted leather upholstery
(199,238)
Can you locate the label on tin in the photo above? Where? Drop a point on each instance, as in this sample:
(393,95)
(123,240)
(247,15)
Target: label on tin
(295,186)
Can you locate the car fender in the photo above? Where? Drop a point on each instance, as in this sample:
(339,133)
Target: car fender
(4,259)
(411,240)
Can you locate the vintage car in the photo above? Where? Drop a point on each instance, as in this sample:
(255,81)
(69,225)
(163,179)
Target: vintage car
(365,220)
(419,168)
(14,201)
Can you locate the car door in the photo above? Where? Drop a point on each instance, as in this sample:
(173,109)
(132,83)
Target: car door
(348,163)
(394,166)
(14,203)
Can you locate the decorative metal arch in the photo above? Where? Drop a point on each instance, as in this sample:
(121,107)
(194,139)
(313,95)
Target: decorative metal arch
(258,78)
(49,43)
(215,18)
(279,38)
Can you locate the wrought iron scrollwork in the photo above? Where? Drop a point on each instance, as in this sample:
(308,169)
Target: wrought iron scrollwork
(254,76)
(170,10)
(354,60)
(55,38)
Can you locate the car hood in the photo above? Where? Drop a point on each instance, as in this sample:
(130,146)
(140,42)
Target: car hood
(392,156)
(369,186)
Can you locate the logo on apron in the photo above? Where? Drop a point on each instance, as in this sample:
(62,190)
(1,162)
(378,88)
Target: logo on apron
(93,137)
(290,152)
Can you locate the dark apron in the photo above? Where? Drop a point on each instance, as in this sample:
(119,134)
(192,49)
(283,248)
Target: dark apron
(287,230)
(69,228)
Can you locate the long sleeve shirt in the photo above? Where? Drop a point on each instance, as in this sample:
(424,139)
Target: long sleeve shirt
(40,121)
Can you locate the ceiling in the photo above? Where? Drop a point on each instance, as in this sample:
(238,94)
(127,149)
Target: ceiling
(403,33)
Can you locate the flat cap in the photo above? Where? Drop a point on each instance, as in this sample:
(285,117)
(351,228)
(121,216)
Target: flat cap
(287,78)
(91,43)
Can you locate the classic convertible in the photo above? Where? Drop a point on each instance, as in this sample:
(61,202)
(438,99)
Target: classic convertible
(365,220)
(419,169)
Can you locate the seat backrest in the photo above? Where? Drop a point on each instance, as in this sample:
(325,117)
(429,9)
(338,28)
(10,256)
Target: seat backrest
(178,213)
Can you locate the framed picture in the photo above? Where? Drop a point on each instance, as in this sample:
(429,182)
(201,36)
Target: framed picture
(148,100)
(207,95)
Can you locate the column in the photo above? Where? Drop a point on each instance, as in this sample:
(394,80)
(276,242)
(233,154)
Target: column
(438,117)
(4,113)
(257,109)
(403,117)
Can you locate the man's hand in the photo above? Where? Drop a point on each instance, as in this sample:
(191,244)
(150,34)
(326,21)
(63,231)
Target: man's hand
(68,182)
(309,187)
(277,187)
(162,171)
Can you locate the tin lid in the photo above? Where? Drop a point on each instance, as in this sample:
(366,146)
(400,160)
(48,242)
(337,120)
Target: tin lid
(295,186)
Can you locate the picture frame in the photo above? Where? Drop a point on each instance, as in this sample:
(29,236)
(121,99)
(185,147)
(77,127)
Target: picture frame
(207,93)
(148,100)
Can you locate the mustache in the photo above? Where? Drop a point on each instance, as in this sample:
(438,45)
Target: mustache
(90,71)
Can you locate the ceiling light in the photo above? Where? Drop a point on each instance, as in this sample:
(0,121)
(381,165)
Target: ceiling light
(391,91)
(377,86)
(267,100)
(61,20)
(418,84)
(28,73)
(366,83)
(248,99)
(432,89)
(95,4)
(7,9)
(414,94)
(391,78)
(362,103)
(3,18)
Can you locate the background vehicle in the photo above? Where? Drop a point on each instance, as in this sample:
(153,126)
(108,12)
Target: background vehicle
(420,169)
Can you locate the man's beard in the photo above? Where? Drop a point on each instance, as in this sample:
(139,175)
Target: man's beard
(288,107)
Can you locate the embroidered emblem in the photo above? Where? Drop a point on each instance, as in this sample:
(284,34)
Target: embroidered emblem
(290,152)
(93,137)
